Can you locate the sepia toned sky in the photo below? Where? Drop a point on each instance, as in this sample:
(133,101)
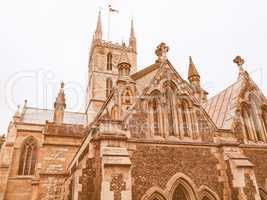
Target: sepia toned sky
(44,42)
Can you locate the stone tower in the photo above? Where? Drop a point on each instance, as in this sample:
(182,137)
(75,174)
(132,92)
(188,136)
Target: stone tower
(102,69)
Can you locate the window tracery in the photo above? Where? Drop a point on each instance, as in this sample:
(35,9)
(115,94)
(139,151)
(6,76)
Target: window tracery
(155,113)
(253,122)
(185,122)
(247,123)
(28,157)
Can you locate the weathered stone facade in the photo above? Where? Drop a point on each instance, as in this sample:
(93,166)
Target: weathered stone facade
(146,135)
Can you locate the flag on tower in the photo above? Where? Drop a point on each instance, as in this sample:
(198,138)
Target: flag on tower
(112,10)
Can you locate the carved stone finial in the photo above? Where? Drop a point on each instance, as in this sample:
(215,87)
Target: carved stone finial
(239,61)
(16,116)
(161,52)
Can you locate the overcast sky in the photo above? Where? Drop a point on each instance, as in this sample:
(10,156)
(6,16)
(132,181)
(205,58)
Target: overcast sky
(44,42)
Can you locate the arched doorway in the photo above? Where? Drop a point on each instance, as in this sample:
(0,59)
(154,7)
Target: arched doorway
(180,193)
(205,193)
(154,193)
(181,187)
(157,196)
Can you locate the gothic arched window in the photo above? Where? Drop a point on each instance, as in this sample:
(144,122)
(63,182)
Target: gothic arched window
(170,109)
(256,116)
(156,121)
(180,193)
(109,86)
(109,62)
(155,113)
(247,123)
(255,119)
(252,122)
(156,196)
(28,157)
(185,122)
(264,118)
(170,90)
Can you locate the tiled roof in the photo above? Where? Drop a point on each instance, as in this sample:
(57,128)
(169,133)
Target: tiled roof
(221,108)
(39,116)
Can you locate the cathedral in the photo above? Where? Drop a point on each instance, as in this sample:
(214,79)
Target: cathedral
(144,135)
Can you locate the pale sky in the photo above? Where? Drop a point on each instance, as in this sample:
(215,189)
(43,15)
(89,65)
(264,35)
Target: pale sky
(44,42)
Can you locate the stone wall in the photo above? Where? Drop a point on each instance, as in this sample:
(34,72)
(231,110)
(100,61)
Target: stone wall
(51,188)
(87,181)
(19,188)
(259,158)
(154,165)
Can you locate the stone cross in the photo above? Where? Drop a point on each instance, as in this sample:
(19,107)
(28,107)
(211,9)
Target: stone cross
(117,185)
(239,61)
(161,52)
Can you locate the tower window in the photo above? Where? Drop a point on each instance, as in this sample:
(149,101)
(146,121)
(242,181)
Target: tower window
(109,62)
(109,86)
(28,157)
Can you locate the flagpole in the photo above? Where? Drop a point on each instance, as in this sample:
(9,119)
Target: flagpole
(109,23)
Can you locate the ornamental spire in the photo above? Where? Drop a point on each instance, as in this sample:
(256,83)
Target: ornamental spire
(124,57)
(132,40)
(17,115)
(192,71)
(132,35)
(194,79)
(98,31)
(60,106)
(124,65)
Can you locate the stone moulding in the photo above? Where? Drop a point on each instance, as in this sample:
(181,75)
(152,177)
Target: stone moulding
(186,182)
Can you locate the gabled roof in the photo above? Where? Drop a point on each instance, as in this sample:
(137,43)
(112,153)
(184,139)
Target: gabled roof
(221,107)
(144,76)
(39,116)
(145,71)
